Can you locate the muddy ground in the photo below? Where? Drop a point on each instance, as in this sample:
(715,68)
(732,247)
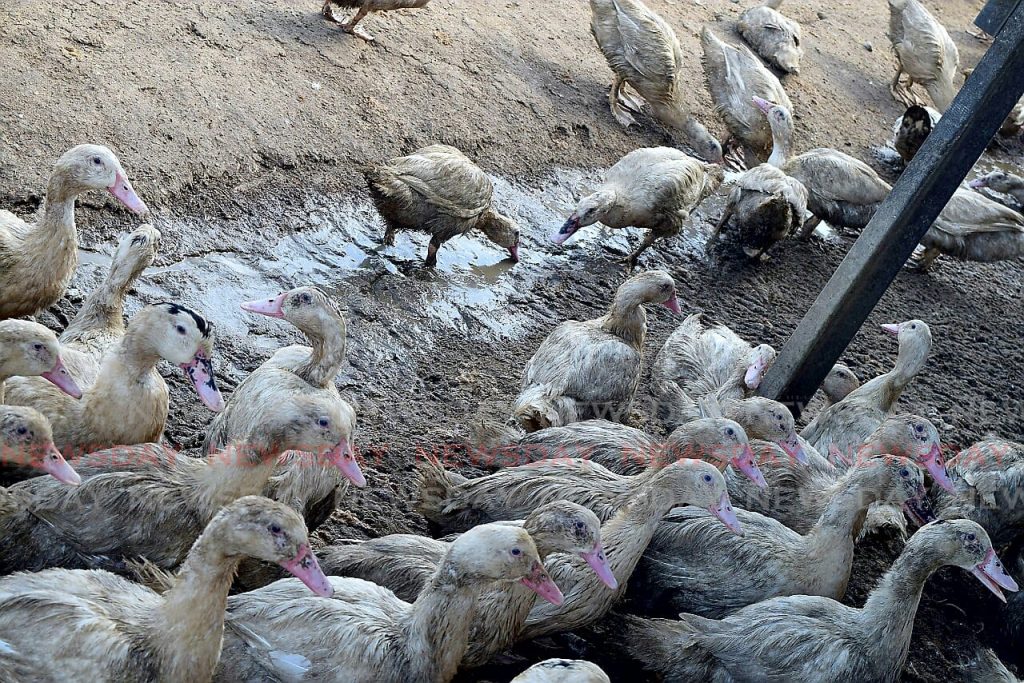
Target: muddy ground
(244,126)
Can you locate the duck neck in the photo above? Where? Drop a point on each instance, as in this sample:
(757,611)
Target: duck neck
(131,359)
(104,307)
(438,630)
(910,360)
(241,469)
(843,517)
(781,144)
(326,356)
(626,319)
(627,534)
(53,244)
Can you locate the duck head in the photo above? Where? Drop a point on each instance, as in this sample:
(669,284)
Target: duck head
(94,167)
(563,526)
(499,552)
(27,349)
(26,439)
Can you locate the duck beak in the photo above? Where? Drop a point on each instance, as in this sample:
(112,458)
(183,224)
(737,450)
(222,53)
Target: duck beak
(57,467)
(978,183)
(513,252)
(755,371)
(199,371)
(764,105)
(672,304)
(273,308)
(724,512)
(540,583)
(62,379)
(567,229)
(990,572)
(306,569)
(892,329)
(123,192)
(746,463)
(597,561)
(342,457)
(919,510)
(933,463)
(793,447)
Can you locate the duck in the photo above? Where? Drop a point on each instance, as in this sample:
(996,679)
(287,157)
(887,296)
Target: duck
(843,426)
(404,563)
(839,383)
(804,637)
(364,8)
(592,368)
(100,626)
(654,188)
(643,52)
(912,129)
(765,205)
(699,359)
(366,631)
(128,401)
(689,561)
(924,51)
(27,349)
(972,227)
(26,440)
(438,190)
(453,503)
(734,76)
(149,501)
(311,488)
(38,259)
(841,190)
(1003,182)
(1014,121)
(799,493)
(563,671)
(773,35)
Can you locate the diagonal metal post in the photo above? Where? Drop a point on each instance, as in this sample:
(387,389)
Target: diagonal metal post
(889,239)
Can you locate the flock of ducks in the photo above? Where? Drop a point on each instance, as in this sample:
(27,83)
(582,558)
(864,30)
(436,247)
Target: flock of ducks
(133,562)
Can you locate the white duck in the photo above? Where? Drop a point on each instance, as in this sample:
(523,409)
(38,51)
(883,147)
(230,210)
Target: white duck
(973,227)
(28,349)
(773,35)
(924,51)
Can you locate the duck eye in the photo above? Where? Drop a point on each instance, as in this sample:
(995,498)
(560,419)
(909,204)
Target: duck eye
(707,478)
(517,552)
(181,329)
(324,422)
(275,528)
(730,432)
(580,525)
(305,298)
(22,431)
(919,428)
(97,161)
(971,537)
(904,472)
(37,346)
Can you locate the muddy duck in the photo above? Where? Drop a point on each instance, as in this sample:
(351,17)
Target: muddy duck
(1003,182)
(699,359)
(438,190)
(643,52)
(366,631)
(311,488)
(364,8)
(689,561)
(912,129)
(28,349)
(654,188)
(404,564)
(843,426)
(924,52)
(773,35)
(1014,121)
(27,441)
(148,501)
(972,227)
(109,628)
(841,190)
(765,205)
(805,637)
(453,502)
(734,76)
(38,259)
(799,493)
(838,383)
(128,401)
(563,671)
(592,368)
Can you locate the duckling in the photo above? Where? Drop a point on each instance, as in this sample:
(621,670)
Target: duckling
(843,426)
(805,637)
(38,260)
(1001,181)
(592,368)
(924,51)
(365,7)
(128,401)
(972,227)
(766,205)
(148,501)
(773,35)
(563,671)
(734,76)
(654,188)
(912,129)
(689,560)
(643,52)
(92,625)
(438,190)
(453,503)
(698,359)
(26,440)
(367,632)
(28,349)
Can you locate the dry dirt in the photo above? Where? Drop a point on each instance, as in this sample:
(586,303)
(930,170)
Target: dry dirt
(244,125)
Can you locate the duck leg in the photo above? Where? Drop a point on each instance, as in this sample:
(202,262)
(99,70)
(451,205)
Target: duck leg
(350,25)
(435,244)
(808,228)
(726,215)
(649,239)
(923,261)
(328,12)
(630,101)
(614,101)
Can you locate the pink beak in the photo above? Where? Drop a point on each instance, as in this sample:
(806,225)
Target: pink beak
(123,192)
(978,183)
(567,230)
(762,104)
(933,463)
(540,583)
(63,380)
(57,467)
(273,308)
(746,464)
(672,304)
(597,561)
(200,372)
(514,253)
(726,514)
(794,448)
(306,569)
(990,572)
(341,456)
(755,370)
(892,329)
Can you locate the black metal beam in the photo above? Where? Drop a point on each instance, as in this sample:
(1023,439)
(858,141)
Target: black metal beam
(889,239)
